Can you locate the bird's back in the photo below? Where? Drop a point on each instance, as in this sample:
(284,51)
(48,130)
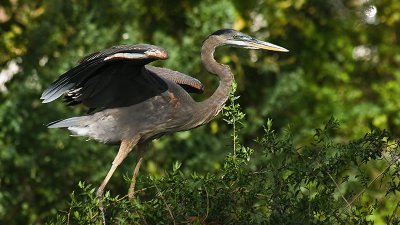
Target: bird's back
(128,97)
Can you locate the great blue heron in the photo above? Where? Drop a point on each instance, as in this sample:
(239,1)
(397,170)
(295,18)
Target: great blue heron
(132,103)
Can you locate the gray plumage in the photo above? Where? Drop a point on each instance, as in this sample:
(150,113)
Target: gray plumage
(133,103)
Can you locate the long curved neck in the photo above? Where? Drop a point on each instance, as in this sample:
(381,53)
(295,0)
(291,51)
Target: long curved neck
(210,107)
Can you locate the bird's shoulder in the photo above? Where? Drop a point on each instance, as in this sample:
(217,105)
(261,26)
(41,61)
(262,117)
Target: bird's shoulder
(129,52)
(188,83)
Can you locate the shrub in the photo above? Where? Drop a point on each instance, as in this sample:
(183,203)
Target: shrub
(327,181)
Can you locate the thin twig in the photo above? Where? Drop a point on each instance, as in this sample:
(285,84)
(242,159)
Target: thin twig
(261,172)
(68,215)
(337,186)
(394,213)
(262,195)
(166,204)
(208,205)
(370,183)
(234,135)
(309,202)
(141,190)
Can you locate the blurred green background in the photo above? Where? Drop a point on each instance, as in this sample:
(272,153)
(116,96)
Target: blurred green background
(344,61)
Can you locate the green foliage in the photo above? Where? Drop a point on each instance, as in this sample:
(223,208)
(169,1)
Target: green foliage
(341,63)
(311,184)
(241,154)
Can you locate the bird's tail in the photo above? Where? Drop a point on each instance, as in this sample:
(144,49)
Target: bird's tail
(79,126)
(70,122)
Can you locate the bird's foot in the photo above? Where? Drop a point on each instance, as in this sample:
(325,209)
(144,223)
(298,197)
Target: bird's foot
(99,195)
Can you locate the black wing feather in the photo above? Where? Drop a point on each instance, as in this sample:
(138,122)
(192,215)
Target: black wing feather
(101,82)
(108,79)
(126,85)
(140,48)
(72,79)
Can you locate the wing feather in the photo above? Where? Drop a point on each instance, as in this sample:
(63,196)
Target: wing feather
(190,84)
(117,77)
(110,78)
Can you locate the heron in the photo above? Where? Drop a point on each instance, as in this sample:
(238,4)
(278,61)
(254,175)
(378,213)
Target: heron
(132,103)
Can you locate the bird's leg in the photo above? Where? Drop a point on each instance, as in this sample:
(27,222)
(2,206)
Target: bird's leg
(125,147)
(141,150)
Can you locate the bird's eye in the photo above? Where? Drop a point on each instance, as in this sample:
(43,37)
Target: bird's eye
(241,37)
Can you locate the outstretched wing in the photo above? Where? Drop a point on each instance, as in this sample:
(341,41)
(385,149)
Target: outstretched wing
(114,77)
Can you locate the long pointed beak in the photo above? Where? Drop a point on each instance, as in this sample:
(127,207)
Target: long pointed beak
(252,43)
(257,44)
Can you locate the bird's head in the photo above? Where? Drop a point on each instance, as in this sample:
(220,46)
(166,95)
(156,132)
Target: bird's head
(238,39)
